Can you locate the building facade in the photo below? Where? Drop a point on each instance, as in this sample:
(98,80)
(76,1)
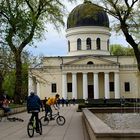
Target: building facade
(88,70)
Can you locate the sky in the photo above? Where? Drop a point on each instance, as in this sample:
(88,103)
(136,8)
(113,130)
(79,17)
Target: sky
(55,43)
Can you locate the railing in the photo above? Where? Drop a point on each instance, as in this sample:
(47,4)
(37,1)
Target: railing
(129,67)
(99,66)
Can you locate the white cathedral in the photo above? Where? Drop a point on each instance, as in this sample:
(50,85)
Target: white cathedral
(88,71)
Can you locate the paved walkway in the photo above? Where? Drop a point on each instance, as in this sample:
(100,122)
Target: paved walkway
(74,128)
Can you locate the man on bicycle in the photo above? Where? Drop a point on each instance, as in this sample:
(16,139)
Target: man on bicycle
(33,106)
(49,103)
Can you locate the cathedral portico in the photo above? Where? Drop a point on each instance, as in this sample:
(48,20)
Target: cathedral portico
(96,84)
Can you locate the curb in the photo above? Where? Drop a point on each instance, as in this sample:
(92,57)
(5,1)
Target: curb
(14,110)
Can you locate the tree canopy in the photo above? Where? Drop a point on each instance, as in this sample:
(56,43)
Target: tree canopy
(127,14)
(7,71)
(22,21)
(119,50)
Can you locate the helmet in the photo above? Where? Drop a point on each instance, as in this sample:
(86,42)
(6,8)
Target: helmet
(32,93)
(57,95)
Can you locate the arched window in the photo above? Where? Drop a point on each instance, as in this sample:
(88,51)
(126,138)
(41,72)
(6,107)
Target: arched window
(78,44)
(90,63)
(108,44)
(68,46)
(88,43)
(98,43)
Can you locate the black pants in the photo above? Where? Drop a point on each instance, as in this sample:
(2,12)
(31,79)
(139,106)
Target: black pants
(47,110)
(35,114)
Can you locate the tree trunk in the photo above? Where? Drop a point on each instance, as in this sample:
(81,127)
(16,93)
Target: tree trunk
(132,42)
(137,54)
(1,83)
(18,82)
(136,50)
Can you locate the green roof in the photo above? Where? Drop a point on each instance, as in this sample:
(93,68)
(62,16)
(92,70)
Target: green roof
(87,14)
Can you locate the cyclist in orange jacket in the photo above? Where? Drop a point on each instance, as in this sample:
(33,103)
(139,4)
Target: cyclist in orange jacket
(51,102)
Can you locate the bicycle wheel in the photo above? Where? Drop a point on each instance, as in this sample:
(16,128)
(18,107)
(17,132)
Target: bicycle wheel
(44,121)
(40,127)
(19,119)
(60,120)
(30,129)
(13,119)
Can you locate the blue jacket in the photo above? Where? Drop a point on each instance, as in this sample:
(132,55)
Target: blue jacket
(33,103)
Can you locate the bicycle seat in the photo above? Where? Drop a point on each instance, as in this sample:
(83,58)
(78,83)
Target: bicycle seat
(31,111)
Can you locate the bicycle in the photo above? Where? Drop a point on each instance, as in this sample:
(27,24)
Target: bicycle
(31,127)
(11,119)
(60,120)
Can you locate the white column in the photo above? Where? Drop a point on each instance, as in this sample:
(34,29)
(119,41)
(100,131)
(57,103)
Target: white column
(96,86)
(106,82)
(117,85)
(74,85)
(64,85)
(85,90)
(30,84)
(38,89)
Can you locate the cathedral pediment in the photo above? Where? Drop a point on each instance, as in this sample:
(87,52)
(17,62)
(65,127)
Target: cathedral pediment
(83,60)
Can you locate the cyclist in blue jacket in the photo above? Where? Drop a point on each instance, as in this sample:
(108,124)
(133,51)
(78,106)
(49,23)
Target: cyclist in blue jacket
(33,106)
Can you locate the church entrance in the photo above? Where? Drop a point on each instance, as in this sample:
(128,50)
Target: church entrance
(90,92)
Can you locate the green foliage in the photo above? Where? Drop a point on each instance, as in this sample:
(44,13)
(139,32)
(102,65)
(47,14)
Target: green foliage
(127,15)
(117,49)
(9,82)
(26,18)
(134,22)
(8,66)
(22,22)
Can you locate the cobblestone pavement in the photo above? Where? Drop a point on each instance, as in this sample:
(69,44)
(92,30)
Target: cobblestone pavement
(74,128)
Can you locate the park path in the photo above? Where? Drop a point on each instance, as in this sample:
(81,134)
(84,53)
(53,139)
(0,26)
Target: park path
(74,128)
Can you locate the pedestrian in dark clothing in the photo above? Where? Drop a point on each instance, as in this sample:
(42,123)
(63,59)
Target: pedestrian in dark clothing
(73,101)
(5,106)
(105,100)
(58,102)
(67,102)
(4,103)
(63,101)
(44,102)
